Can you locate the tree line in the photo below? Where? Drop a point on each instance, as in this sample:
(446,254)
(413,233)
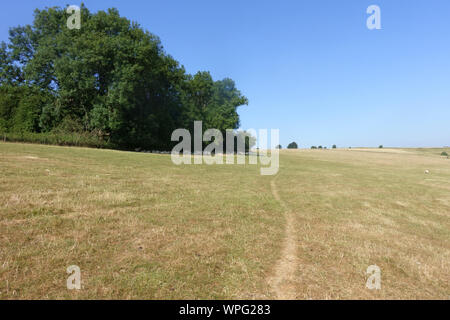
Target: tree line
(294,145)
(110,83)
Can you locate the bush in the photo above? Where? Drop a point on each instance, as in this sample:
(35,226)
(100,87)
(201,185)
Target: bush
(381,146)
(334,146)
(313,147)
(293,145)
(445,154)
(320,147)
(52,138)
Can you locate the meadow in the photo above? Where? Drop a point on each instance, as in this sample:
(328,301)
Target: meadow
(140,227)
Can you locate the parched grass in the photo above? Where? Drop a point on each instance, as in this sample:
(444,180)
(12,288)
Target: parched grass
(357,208)
(140,227)
(136,225)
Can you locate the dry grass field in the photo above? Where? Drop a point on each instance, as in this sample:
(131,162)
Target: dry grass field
(140,227)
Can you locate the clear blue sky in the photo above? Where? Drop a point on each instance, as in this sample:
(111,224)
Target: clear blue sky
(310,68)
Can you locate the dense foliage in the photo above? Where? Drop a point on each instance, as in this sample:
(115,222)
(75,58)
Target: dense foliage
(108,83)
(292,145)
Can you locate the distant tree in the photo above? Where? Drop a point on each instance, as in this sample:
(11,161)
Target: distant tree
(334,146)
(445,154)
(381,146)
(279,147)
(320,147)
(313,147)
(292,145)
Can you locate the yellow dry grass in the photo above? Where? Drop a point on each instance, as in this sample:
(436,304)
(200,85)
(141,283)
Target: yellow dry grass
(140,227)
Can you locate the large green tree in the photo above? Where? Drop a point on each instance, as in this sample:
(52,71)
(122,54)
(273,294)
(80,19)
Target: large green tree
(110,78)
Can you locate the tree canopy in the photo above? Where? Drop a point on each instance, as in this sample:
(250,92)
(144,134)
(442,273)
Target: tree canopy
(292,145)
(110,79)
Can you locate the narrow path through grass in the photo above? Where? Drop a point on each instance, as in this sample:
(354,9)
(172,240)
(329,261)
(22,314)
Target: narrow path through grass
(286,267)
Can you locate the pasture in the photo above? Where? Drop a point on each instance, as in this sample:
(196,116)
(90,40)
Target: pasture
(140,227)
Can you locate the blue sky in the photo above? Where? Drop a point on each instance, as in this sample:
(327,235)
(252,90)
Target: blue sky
(310,68)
